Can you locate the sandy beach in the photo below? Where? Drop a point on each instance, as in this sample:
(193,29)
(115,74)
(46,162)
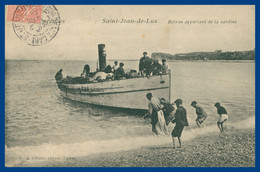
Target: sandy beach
(234,148)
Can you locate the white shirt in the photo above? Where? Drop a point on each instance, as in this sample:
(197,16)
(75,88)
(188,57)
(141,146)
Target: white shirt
(154,104)
(166,67)
(115,68)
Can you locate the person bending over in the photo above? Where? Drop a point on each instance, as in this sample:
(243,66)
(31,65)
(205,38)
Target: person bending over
(201,114)
(223,117)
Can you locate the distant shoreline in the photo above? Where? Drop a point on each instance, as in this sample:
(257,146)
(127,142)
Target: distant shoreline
(206,56)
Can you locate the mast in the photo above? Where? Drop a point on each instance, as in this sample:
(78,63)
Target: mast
(170,86)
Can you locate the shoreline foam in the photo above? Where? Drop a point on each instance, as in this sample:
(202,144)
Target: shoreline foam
(233,148)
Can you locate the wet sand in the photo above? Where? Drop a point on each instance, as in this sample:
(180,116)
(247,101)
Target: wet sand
(234,148)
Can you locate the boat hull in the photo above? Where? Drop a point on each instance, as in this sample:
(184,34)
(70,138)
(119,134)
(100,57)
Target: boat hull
(128,93)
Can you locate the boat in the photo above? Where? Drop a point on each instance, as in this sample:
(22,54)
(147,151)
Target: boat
(125,93)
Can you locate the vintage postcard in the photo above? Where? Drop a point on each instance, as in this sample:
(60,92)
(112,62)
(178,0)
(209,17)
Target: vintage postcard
(130,86)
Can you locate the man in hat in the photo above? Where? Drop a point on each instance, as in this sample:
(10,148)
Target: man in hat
(180,120)
(201,114)
(145,65)
(222,116)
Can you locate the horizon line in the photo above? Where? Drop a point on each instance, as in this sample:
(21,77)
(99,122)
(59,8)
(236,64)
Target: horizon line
(137,58)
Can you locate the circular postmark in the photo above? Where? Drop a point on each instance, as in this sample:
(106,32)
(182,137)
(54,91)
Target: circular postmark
(36,24)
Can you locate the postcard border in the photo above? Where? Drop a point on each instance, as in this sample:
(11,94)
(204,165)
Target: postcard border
(117,2)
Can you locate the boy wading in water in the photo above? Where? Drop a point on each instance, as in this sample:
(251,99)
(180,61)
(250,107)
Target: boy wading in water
(180,120)
(201,114)
(222,116)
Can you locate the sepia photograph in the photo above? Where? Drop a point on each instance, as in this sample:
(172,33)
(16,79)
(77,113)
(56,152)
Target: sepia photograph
(129,86)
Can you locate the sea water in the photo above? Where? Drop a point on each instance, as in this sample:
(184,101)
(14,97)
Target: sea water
(40,124)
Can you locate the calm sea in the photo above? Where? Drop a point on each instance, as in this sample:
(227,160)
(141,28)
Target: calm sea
(40,124)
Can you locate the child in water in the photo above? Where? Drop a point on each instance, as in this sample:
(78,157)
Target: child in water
(222,116)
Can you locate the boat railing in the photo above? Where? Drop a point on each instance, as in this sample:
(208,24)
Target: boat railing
(83,80)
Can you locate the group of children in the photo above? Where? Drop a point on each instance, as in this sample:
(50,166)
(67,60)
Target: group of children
(163,112)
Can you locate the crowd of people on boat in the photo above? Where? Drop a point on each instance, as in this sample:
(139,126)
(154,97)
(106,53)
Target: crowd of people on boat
(147,67)
(162,113)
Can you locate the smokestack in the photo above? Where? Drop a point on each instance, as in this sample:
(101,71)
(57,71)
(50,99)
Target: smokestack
(102,56)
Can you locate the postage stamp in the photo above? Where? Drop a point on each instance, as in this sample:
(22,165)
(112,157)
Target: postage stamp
(25,13)
(34,24)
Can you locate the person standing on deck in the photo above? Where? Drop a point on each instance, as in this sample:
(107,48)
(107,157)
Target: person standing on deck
(156,113)
(222,116)
(86,71)
(166,67)
(180,120)
(59,76)
(201,114)
(145,65)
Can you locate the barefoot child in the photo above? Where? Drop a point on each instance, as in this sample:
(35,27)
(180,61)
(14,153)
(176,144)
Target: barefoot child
(222,116)
(201,114)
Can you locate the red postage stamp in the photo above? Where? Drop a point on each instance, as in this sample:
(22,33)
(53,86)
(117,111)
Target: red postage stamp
(34,24)
(24,13)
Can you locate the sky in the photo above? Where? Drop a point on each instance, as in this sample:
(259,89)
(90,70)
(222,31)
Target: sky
(82,30)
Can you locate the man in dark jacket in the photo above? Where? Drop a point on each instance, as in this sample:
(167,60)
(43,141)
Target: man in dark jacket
(180,120)
(120,72)
(168,110)
(157,68)
(145,65)
(59,76)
